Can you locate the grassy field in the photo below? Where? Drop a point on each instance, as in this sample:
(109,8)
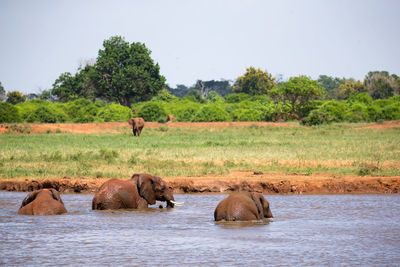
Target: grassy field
(170,152)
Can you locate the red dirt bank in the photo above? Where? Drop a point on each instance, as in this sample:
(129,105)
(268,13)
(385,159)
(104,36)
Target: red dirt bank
(247,181)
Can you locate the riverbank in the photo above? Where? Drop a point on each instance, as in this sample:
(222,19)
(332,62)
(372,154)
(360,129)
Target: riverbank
(267,183)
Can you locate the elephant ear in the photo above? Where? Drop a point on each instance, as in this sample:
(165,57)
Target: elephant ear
(258,202)
(265,207)
(56,195)
(29,198)
(130,121)
(146,188)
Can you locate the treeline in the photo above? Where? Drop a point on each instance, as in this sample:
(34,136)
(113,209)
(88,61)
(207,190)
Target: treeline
(234,107)
(124,78)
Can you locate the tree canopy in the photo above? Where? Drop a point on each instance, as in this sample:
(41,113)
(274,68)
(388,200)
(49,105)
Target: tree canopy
(126,73)
(298,92)
(254,82)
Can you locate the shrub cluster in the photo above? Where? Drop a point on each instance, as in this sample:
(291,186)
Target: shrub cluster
(235,107)
(81,110)
(359,108)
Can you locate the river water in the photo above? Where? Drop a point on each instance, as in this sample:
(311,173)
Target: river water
(318,230)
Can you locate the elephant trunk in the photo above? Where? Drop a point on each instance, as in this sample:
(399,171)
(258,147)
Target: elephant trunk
(170,204)
(268,214)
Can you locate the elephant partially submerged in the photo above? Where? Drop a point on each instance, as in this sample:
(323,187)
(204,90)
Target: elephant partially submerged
(243,206)
(136,193)
(42,202)
(137,125)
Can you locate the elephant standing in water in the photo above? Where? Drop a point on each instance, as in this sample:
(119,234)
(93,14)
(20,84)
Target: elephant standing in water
(136,193)
(137,125)
(243,206)
(42,202)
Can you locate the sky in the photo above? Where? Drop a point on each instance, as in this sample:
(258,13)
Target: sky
(203,39)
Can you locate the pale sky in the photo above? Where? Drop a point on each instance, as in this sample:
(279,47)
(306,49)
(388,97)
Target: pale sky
(203,39)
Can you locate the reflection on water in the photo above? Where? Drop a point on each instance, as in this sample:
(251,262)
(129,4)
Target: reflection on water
(307,230)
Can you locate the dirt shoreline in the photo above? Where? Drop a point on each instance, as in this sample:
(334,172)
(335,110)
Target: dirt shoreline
(236,181)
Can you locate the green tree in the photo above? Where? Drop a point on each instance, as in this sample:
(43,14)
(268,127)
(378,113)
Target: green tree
(348,88)
(70,87)
(126,73)
(65,88)
(330,84)
(15,97)
(381,85)
(298,92)
(254,82)
(2,93)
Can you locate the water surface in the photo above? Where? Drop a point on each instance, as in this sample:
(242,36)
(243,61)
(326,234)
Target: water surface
(333,230)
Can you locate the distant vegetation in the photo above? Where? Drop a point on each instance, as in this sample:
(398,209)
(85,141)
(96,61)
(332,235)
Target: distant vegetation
(125,78)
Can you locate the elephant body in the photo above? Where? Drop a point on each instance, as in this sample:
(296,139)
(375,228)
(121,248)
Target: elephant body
(42,202)
(136,193)
(137,125)
(243,206)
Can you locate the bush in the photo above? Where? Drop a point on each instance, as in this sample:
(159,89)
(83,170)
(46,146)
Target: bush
(246,115)
(317,117)
(214,97)
(211,113)
(82,110)
(336,109)
(357,113)
(152,111)
(114,112)
(185,113)
(164,95)
(47,114)
(237,98)
(391,112)
(28,107)
(9,113)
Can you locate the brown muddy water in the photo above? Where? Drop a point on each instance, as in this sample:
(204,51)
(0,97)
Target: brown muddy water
(320,230)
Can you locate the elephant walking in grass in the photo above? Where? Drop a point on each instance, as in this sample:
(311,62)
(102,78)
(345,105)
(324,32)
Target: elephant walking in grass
(136,193)
(42,202)
(137,125)
(243,206)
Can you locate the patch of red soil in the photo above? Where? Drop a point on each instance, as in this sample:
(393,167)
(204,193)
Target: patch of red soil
(384,125)
(271,183)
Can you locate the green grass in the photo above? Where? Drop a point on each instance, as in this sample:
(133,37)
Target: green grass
(168,152)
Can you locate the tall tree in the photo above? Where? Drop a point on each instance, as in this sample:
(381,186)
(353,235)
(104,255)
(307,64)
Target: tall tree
(254,82)
(126,73)
(298,92)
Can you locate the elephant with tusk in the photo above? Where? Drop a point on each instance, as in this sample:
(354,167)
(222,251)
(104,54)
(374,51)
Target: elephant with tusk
(136,193)
(243,206)
(42,202)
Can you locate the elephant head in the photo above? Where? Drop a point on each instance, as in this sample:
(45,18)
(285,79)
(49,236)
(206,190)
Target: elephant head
(42,202)
(262,205)
(153,188)
(136,193)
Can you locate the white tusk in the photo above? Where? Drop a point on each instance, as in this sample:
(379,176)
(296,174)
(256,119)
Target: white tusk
(177,203)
